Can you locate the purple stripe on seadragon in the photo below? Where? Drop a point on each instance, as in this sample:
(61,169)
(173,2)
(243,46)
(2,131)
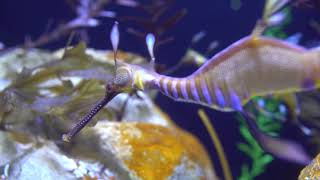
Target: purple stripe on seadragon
(157,83)
(194,90)
(165,86)
(219,95)
(174,89)
(205,91)
(184,90)
(235,101)
(308,84)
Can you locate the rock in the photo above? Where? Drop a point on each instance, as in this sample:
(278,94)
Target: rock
(8,149)
(312,171)
(16,60)
(43,163)
(13,146)
(146,151)
(139,109)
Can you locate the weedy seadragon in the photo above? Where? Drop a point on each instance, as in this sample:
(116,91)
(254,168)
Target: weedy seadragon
(253,66)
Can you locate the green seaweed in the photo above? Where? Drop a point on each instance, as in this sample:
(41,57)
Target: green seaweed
(57,89)
(267,124)
(277,31)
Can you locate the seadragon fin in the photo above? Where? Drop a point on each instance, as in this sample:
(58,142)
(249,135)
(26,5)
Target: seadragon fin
(150,42)
(272,15)
(281,148)
(114,37)
(272,7)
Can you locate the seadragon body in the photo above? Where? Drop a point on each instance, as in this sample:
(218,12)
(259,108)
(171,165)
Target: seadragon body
(250,67)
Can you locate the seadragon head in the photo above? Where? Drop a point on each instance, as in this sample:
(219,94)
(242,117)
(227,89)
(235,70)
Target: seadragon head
(127,78)
(123,73)
(122,81)
(130,77)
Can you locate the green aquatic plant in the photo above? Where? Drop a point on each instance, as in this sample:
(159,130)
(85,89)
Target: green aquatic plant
(268,112)
(278,31)
(260,159)
(60,85)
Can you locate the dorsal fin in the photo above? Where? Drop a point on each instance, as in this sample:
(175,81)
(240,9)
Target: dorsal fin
(150,41)
(114,37)
(271,16)
(272,7)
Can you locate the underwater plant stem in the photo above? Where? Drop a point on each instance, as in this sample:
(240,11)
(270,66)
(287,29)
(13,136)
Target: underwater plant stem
(85,120)
(217,144)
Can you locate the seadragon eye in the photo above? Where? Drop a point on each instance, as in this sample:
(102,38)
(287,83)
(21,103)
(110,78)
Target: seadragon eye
(123,77)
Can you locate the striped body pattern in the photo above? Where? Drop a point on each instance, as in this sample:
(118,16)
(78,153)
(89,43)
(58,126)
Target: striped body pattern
(196,90)
(247,68)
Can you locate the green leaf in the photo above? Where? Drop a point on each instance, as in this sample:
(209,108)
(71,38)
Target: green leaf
(257,169)
(266,159)
(271,128)
(245,149)
(245,133)
(245,174)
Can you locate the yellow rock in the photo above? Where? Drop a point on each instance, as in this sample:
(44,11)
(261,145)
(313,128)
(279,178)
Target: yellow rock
(151,152)
(312,171)
(158,150)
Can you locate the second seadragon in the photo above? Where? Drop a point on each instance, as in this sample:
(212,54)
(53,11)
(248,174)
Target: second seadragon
(253,66)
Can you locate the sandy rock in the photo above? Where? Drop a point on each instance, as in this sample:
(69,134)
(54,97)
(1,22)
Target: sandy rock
(43,163)
(147,151)
(138,109)
(8,149)
(312,171)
